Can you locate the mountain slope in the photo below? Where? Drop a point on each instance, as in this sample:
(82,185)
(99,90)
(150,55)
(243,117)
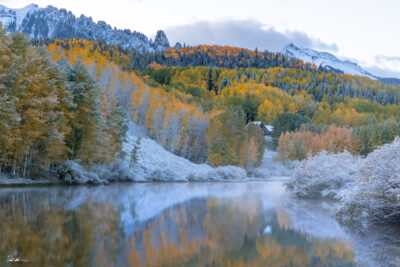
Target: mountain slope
(51,22)
(326,60)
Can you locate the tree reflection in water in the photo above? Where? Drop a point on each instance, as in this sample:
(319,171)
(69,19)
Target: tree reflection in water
(54,236)
(230,232)
(240,224)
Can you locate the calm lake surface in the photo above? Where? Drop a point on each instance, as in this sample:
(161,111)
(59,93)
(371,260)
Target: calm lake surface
(180,224)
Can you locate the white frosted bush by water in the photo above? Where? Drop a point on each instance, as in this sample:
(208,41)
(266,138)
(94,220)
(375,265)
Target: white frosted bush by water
(375,196)
(323,175)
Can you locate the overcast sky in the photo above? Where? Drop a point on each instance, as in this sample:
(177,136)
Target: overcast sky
(366,31)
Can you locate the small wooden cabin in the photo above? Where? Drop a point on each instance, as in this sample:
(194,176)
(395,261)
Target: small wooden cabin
(266,129)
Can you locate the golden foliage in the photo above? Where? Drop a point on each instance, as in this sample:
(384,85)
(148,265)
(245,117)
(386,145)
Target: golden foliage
(298,145)
(156,66)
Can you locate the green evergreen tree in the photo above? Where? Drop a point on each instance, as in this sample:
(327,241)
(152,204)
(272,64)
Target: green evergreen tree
(210,83)
(86,114)
(134,153)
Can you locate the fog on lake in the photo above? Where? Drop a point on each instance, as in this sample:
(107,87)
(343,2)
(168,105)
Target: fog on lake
(180,224)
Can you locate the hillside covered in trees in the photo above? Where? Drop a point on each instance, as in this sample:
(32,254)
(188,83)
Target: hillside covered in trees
(352,114)
(202,55)
(74,104)
(196,102)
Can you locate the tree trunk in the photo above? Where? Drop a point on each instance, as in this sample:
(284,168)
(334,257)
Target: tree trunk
(25,163)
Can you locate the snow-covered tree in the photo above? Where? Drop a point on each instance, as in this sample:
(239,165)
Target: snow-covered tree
(324,175)
(375,196)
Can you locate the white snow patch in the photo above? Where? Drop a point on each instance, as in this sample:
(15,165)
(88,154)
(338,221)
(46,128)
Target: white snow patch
(7,16)
(17,15)
(22,12)
(271,168)
(157,164)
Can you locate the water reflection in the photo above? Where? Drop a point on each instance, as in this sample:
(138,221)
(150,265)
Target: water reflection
(216,224)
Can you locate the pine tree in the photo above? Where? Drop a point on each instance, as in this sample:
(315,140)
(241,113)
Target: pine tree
(210,83)
(86,114)
(134,153)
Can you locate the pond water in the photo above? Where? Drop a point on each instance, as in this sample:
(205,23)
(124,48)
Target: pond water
(179,224)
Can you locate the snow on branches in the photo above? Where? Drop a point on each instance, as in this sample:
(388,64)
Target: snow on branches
(369,188)
(323,175)
(375,196)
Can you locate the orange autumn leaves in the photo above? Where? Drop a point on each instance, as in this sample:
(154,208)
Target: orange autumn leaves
(169,117)
(298,145)
(177,113)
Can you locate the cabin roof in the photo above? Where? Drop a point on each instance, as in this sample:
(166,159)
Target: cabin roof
(270,128)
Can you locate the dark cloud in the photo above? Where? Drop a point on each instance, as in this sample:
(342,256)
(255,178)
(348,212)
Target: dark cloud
(242,33)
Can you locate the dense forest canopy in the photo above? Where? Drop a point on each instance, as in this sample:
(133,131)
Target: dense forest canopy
(78,96)
(52,111)
(201,55)
(270,68)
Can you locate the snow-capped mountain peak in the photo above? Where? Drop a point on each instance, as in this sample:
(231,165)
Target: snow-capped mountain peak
(51,22)
(10,17)
(327,60)
(22,12)
(161,40)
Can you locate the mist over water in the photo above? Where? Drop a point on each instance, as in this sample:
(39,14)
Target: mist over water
(180,224)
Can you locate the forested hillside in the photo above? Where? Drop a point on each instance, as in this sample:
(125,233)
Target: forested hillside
(73,99)
(74,104)
(269,68)
(202,55)
(310,111)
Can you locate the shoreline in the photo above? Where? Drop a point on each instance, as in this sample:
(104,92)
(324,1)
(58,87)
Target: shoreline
(24,182)
(19,182)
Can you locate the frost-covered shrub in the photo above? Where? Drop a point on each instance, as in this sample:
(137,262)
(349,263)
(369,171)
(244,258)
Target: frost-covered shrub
(226,173)
(117,172)
(72,172)
(375,196)
(323,175)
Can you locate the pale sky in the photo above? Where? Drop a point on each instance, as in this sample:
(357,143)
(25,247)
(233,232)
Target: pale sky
(365,31)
